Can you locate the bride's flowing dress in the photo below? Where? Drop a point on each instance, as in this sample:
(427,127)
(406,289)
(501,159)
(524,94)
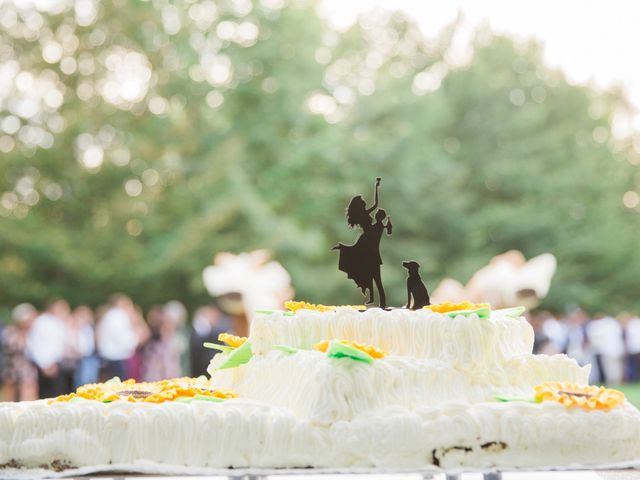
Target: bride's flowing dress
(361,260)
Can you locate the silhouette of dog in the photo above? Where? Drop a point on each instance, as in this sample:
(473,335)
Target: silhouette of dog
(416,290)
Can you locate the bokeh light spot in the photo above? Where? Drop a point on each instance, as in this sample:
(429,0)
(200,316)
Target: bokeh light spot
(52,52)
(133,187)
(517,97)
(214,99)
(600,134)
(134,227)
(158,105)
(631,199)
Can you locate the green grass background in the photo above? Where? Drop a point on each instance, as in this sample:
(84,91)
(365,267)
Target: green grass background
(632,392)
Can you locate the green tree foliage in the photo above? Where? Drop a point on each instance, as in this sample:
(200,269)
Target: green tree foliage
(140,138)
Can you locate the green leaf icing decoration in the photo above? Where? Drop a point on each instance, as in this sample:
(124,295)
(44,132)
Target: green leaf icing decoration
(286,349)
(183,399)
(268,312)
(482,313)
(237,356)
(198,397)
(340,350)
(216,346)
(504,398)
(206,398)
(514,312)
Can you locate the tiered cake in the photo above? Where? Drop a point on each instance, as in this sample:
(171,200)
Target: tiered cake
(342,388)
(446,389)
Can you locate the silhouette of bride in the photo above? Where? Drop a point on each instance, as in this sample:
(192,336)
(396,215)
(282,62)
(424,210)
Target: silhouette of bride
(361,261)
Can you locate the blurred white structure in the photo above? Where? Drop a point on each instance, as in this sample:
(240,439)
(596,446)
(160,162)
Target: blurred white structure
(509,280)
(248,282)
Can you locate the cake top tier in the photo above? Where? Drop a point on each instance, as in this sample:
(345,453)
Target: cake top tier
(421,334)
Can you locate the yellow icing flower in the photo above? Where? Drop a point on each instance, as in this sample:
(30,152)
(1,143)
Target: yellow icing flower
(232,340)
(588,397)
(445,307)
(295,306)
(150,392)
(323,346)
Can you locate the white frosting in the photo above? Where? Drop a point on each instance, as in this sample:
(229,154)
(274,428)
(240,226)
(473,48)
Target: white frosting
(420,334)
(325,389)
(428,402)
(241,433)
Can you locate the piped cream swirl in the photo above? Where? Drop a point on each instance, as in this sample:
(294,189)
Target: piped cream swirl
(325,389)
(420,334)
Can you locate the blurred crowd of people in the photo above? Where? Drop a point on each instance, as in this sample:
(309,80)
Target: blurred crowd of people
(610,344)
(51,352)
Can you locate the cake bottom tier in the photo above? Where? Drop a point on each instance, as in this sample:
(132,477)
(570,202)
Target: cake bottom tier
(241,433)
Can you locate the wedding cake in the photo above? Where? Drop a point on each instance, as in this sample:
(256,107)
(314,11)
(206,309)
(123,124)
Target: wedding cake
(450,386)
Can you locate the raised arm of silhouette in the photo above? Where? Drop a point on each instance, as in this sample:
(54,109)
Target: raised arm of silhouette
(375,196)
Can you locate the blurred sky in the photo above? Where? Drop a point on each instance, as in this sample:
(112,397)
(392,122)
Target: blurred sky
(593,41)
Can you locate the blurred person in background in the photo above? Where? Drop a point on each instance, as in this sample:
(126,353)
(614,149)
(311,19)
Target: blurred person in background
(540,339)
(18,373)
(46,343)
(143,333)
(631,325)
(577,345)
(161,353)
(117,337)
(606,337)
(151,348)
(177,313)
(208,323)
(556,331)
(2,361)
(88,364)
(71,355)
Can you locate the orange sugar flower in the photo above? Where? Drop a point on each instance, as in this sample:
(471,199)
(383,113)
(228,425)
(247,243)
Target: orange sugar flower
(587,397)
(232,340)
(374,352)
(445,307)
(295,306)
(148,392)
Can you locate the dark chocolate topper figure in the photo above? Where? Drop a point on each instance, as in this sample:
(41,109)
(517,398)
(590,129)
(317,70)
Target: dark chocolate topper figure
(361,261)
(416,290)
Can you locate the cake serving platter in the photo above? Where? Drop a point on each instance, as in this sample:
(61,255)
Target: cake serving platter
(630,470)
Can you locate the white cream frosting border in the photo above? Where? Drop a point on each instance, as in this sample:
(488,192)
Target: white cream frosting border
(241,433)
(420,334)
(325,389)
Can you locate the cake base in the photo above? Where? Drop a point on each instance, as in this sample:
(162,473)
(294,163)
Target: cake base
(151,468)
(242,434)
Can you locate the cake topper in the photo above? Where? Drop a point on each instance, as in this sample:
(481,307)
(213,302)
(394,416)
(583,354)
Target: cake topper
(361,261)
(416,289)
